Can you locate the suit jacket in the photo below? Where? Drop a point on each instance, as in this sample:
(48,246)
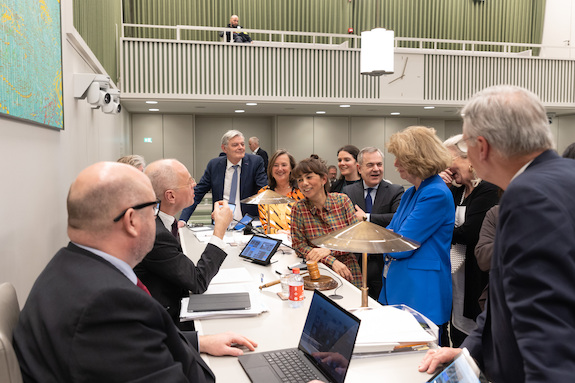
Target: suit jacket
(252,178)
(421,278)
(526,331)
(84,321)
(386,201)
(263,154)
(169,274)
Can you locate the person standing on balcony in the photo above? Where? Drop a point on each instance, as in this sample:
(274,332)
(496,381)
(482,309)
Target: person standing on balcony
(239,37)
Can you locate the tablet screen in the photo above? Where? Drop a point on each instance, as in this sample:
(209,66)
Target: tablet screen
(260,249)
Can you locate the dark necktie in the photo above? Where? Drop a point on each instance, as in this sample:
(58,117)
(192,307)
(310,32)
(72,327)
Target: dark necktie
(368,201)
(234,187)
(142,286)
(175,231)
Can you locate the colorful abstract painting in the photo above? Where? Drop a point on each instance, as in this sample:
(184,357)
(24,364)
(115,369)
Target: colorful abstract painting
(31,61)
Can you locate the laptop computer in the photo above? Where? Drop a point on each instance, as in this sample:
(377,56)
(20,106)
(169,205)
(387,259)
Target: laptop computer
(260,249)
(323,353)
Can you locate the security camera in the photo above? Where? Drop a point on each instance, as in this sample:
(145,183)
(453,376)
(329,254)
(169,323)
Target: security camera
(113,107)
(550,117)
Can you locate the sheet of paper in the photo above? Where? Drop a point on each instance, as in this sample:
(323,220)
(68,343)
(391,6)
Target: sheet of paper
(235,275)
(387,325)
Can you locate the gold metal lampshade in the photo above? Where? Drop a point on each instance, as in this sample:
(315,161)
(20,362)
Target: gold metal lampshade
(268,197)
(365,237)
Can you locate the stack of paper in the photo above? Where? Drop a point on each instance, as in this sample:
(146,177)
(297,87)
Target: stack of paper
(228,281)
(387,329)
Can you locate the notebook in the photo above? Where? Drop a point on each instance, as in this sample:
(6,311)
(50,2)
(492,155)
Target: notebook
(325,347)
(260,249)
(219,302)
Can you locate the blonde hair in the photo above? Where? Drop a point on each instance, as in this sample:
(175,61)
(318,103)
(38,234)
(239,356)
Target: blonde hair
(419,151)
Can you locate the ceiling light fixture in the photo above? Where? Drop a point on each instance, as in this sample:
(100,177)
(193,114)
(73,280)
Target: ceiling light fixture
(320,112)
(429,107)
(151,102)
(395,113)
(239,111)
(251,103)
(154,110)
(345,106)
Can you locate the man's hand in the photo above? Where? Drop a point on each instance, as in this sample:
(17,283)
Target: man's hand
(317,254)
(360,214)
(222,216)
(225,344)
(435,357)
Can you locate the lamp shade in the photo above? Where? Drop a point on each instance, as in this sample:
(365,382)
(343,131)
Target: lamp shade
(377,52)
(268,197)
(366,237)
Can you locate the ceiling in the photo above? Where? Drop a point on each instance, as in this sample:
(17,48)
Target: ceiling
(448,112)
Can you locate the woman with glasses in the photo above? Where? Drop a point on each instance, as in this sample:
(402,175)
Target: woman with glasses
(421,279)
(472,198)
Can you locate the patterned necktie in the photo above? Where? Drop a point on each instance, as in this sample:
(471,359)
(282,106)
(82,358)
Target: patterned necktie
(234,187)
(142,286)
(368,201)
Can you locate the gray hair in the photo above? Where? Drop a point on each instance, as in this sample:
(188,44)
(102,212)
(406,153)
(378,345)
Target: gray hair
(135,160)
(512,119)
(255,139)
(229,135)
(369,149)
(456,144)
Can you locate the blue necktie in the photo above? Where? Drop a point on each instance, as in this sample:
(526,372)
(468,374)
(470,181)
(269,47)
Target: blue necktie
(234,188)
(368,201)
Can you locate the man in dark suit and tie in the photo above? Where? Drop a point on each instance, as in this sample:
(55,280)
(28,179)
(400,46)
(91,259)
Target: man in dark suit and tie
(254,144)
(88,318)
(166,271)
(375,201)
(525,331)
(232,178)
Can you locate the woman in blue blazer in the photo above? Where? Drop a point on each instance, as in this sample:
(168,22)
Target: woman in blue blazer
(421,278)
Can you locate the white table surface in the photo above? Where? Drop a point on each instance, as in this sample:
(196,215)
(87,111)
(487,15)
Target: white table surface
(281,326)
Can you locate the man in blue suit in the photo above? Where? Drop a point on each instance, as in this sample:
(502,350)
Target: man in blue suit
(524,334)
(219,177)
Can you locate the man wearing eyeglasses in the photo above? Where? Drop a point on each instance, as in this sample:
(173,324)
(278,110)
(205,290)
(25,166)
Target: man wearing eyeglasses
(88,317)
(166,271)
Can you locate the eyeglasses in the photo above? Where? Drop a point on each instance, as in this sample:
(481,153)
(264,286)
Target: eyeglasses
(462,144)
(191,183)
(141,206)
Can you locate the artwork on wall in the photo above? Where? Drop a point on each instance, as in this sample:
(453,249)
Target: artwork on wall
(31,61)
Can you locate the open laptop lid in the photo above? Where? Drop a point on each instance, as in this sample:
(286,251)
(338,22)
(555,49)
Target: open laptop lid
(260,249)
(328,337)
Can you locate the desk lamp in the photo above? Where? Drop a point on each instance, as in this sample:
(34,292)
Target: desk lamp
(365,237)
(268,197)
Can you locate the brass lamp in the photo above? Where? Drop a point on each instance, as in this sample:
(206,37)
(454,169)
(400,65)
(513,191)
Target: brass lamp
(366,238)
(267,197)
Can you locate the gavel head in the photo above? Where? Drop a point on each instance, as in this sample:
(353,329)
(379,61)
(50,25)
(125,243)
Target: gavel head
(313,270)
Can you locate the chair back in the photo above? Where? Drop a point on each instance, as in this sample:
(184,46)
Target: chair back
(9,312)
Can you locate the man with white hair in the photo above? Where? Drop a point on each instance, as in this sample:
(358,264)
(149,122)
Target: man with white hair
(232,177)
(524,334)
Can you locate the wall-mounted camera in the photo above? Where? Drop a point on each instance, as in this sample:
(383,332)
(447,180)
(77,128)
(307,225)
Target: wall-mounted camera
(95,88)
(550,117)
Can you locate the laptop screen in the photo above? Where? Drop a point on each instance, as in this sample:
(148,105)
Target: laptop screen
(329,336)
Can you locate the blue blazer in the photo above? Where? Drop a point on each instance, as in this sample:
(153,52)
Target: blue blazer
(252,178)
(421,278)
(526,332)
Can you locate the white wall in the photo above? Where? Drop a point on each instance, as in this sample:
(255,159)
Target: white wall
(38,165)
